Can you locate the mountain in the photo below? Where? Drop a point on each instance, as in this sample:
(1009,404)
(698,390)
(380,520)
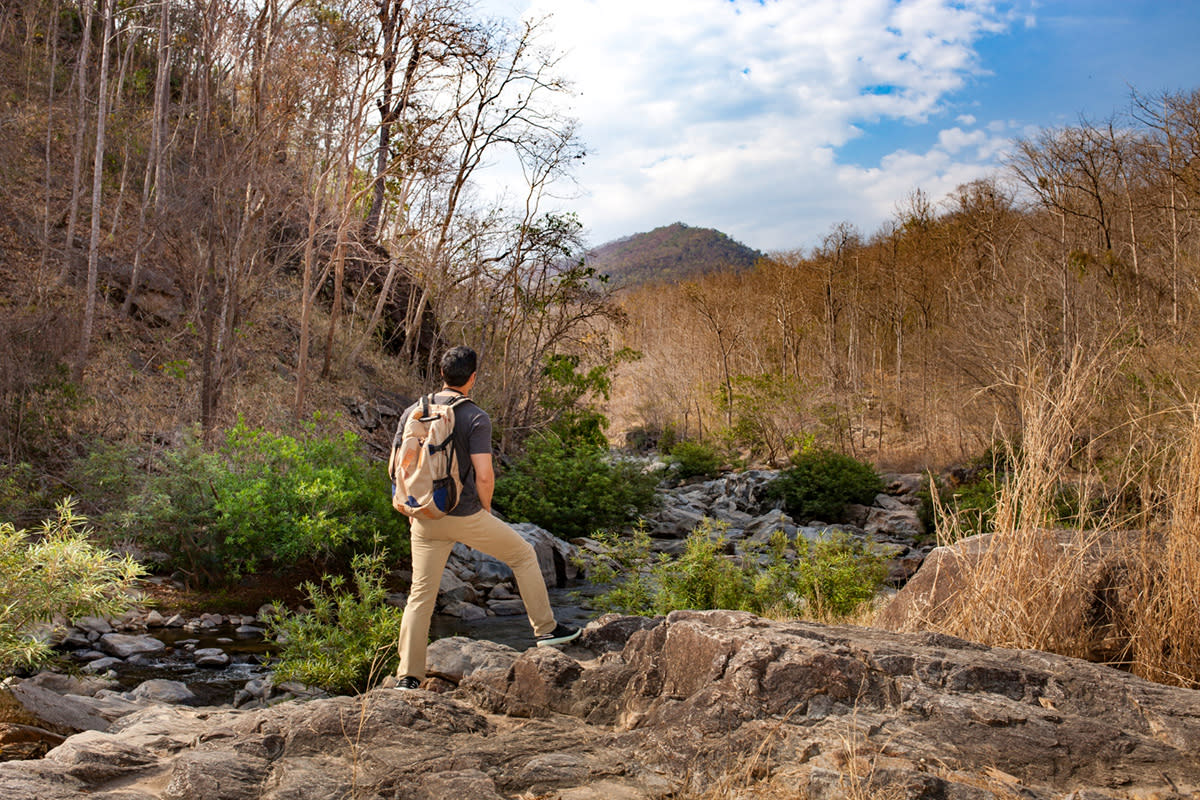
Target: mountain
(669,254)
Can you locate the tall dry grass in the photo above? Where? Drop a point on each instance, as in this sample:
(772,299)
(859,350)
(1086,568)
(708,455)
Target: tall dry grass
(1026,587)
(1163,612)
(1032,582)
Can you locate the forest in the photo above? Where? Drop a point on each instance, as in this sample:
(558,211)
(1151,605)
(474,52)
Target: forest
(230,219)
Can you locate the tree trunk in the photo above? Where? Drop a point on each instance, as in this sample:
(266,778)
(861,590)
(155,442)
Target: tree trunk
(89,311)
(81,126)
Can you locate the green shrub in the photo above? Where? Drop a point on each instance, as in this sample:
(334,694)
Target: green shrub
(55,570)
(820,483)
(347,641)
(691,459)
(24,494)
(626,571)
(573,490)
(285,500)
(826,580)
(262,501)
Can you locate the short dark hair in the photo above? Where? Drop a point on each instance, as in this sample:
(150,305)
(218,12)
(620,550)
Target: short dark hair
(458,365)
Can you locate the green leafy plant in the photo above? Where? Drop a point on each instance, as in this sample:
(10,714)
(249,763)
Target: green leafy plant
(347,641)
(828,579)
(573,490)
(262,501)
(695,459)
(625,570)
(763,414)
(50,571)
(285,499)
(820,483)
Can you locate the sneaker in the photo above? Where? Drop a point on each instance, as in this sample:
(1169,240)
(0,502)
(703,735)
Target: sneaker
(408,682)
(560,635)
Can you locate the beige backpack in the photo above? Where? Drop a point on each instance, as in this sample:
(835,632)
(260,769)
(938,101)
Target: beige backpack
(424,465)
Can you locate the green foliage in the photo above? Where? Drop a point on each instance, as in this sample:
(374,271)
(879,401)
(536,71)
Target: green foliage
(573,489)
(626,571)
(22,492)
(760,418)
(820,483)
(827,580)
(566,393)
(347,641)
(690,459)
(261,501)
(55,570)
(315,497)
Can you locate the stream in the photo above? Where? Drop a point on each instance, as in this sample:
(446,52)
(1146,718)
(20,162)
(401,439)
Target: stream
(219,685)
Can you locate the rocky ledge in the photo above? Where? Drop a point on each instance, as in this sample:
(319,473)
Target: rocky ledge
(658,708)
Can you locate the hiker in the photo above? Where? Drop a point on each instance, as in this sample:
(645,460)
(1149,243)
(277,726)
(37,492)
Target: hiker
(470,522)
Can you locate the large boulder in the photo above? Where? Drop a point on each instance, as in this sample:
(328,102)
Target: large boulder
(1085,569)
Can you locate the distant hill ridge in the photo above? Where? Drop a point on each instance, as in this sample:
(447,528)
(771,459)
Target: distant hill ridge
(671,253)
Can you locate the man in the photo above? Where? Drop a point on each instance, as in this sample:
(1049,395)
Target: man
(470,522)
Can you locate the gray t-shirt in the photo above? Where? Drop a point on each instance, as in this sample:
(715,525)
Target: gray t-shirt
(472,435)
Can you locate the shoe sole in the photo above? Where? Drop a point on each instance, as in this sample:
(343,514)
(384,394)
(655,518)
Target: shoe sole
(559,640)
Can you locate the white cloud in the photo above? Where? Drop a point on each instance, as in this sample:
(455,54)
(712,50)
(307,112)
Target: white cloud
(727,113)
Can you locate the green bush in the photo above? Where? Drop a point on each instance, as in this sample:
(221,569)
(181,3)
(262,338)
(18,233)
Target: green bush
(820,483)
(826,580)
(691,459)
(285,500)
(572,489)
(347,641)
(55,570)
(262,501)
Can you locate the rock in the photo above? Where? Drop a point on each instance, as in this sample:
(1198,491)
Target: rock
(902,522)
(159,690)
(456,657)
(100,666)
(682,706)
(123,645)
(506,608)
(216,773)
(213,657)
(905,485)
(26,741)
(454,590)
(94,625)
(556,557)
(61,710)
(889,503)
(932,594)
(465,611)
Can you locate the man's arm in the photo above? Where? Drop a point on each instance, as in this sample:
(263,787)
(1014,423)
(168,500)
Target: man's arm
(485,478)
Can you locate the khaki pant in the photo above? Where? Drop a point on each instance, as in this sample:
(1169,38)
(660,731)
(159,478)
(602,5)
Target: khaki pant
(432,541)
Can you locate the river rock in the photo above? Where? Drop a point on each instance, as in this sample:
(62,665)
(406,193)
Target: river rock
(122,645)
(506,608)
(455,657)
(455,590)
(160,690)
(213,657)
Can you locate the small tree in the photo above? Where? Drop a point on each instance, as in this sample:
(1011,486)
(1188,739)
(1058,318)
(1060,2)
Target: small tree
(55,571)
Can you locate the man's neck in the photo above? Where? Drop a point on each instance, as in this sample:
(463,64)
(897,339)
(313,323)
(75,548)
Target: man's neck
(448,388)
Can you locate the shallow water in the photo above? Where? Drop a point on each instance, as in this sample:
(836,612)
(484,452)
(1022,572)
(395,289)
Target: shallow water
(218,686)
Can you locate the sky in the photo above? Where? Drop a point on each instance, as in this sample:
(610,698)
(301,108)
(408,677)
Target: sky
(775,120)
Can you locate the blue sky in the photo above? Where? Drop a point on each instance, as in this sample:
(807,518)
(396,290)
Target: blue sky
(774,120)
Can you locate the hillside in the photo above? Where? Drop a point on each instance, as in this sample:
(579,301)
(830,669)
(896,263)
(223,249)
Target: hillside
(670,253)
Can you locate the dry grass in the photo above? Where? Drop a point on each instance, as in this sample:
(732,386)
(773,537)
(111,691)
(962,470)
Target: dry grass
(1027,586)
(1032,584)
(1163,614)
